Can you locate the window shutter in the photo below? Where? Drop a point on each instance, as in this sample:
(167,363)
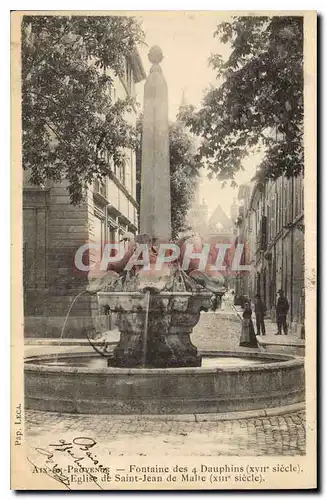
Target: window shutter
(268,224)
(289,204)
(273,218)
(263,243)
(277,213)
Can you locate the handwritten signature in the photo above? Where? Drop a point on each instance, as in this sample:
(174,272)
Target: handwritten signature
(77,450)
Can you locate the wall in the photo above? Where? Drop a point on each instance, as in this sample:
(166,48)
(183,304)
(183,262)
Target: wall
(280,262)
(53,230)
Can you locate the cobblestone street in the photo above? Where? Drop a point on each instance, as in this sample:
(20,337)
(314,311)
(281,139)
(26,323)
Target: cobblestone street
(282,434)
(120,436)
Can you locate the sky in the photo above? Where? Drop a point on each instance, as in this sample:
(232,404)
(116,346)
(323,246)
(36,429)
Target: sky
(186,40)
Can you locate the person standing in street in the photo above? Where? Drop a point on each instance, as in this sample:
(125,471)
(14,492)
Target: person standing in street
(248,338)
(282,308)
(259,309)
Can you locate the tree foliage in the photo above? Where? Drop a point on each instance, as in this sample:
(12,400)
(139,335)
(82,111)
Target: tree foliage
(258,102)
(184,173)
(68,117)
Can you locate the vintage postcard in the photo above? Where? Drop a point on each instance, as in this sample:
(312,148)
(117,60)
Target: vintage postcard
(163,250)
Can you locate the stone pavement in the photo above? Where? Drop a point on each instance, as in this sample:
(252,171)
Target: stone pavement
(121,435)
(126,436)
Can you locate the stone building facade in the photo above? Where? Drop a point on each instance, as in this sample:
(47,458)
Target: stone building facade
(271,225)
(53,230)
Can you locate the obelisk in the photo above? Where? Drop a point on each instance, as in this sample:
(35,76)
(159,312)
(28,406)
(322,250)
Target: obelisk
(155,217)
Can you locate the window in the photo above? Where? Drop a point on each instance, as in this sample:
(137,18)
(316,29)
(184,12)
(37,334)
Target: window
(279,214)
(132,173)
(276,213)
(263,233)
(285,201)
(102,154)
(122,173)
(112,234)
(250,225)
(298,195)
(100,187)
(99,233)
(289,201)
(35,247)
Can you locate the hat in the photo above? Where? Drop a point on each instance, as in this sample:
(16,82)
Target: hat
(280,291)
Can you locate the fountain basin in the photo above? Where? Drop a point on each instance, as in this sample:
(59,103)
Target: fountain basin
(270,381)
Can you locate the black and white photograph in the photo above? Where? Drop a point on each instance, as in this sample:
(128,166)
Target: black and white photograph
(164,250)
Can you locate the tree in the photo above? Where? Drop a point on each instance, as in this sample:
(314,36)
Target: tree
(259,101)
(184,173)
(68,119)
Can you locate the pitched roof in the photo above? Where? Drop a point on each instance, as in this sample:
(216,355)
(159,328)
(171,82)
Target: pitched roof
(219,217)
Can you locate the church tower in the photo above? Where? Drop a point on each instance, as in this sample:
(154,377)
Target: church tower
(234,210)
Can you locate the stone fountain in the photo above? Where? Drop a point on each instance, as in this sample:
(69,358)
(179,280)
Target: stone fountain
(155,368)
(157,310)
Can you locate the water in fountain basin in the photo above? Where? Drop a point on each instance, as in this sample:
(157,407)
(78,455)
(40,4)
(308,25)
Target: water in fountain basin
(94,362)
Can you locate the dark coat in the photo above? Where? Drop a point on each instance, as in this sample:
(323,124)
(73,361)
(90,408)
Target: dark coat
(259,306)
(282,306)
(248,337)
